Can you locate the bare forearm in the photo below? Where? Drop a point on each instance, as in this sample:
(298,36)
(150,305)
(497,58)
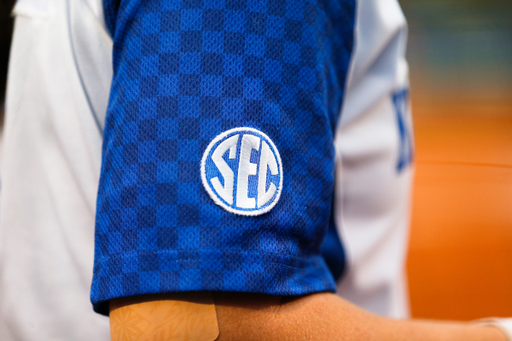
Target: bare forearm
(439,331)
(321,317)
(328,317)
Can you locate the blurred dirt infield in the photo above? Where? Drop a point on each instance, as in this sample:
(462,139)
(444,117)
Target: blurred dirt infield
(460,259)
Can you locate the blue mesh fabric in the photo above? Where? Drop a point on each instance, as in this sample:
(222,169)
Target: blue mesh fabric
(185,71)
(333,251)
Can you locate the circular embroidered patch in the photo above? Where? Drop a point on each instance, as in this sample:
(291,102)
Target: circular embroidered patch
(242,171)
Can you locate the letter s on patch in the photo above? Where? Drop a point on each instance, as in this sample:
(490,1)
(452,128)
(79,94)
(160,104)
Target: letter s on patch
(242,171)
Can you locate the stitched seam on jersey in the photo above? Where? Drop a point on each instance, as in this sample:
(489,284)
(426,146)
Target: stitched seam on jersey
(137,253)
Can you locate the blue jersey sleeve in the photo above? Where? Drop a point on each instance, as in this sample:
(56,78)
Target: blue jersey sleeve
(218,156)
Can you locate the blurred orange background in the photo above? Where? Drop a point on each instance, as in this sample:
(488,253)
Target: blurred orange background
(460,257)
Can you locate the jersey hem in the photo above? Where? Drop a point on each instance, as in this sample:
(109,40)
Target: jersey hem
(165,271)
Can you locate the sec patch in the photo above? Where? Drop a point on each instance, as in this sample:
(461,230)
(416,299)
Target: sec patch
(242,172)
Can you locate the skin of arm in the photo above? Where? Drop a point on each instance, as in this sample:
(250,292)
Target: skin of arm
(316,317)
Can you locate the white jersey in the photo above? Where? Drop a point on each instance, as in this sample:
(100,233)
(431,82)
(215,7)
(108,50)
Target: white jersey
(373,180)
(58,88)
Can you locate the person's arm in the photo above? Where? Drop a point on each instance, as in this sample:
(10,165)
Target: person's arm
(321,317)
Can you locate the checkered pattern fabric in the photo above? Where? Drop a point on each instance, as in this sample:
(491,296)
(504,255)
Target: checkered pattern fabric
(185,71)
